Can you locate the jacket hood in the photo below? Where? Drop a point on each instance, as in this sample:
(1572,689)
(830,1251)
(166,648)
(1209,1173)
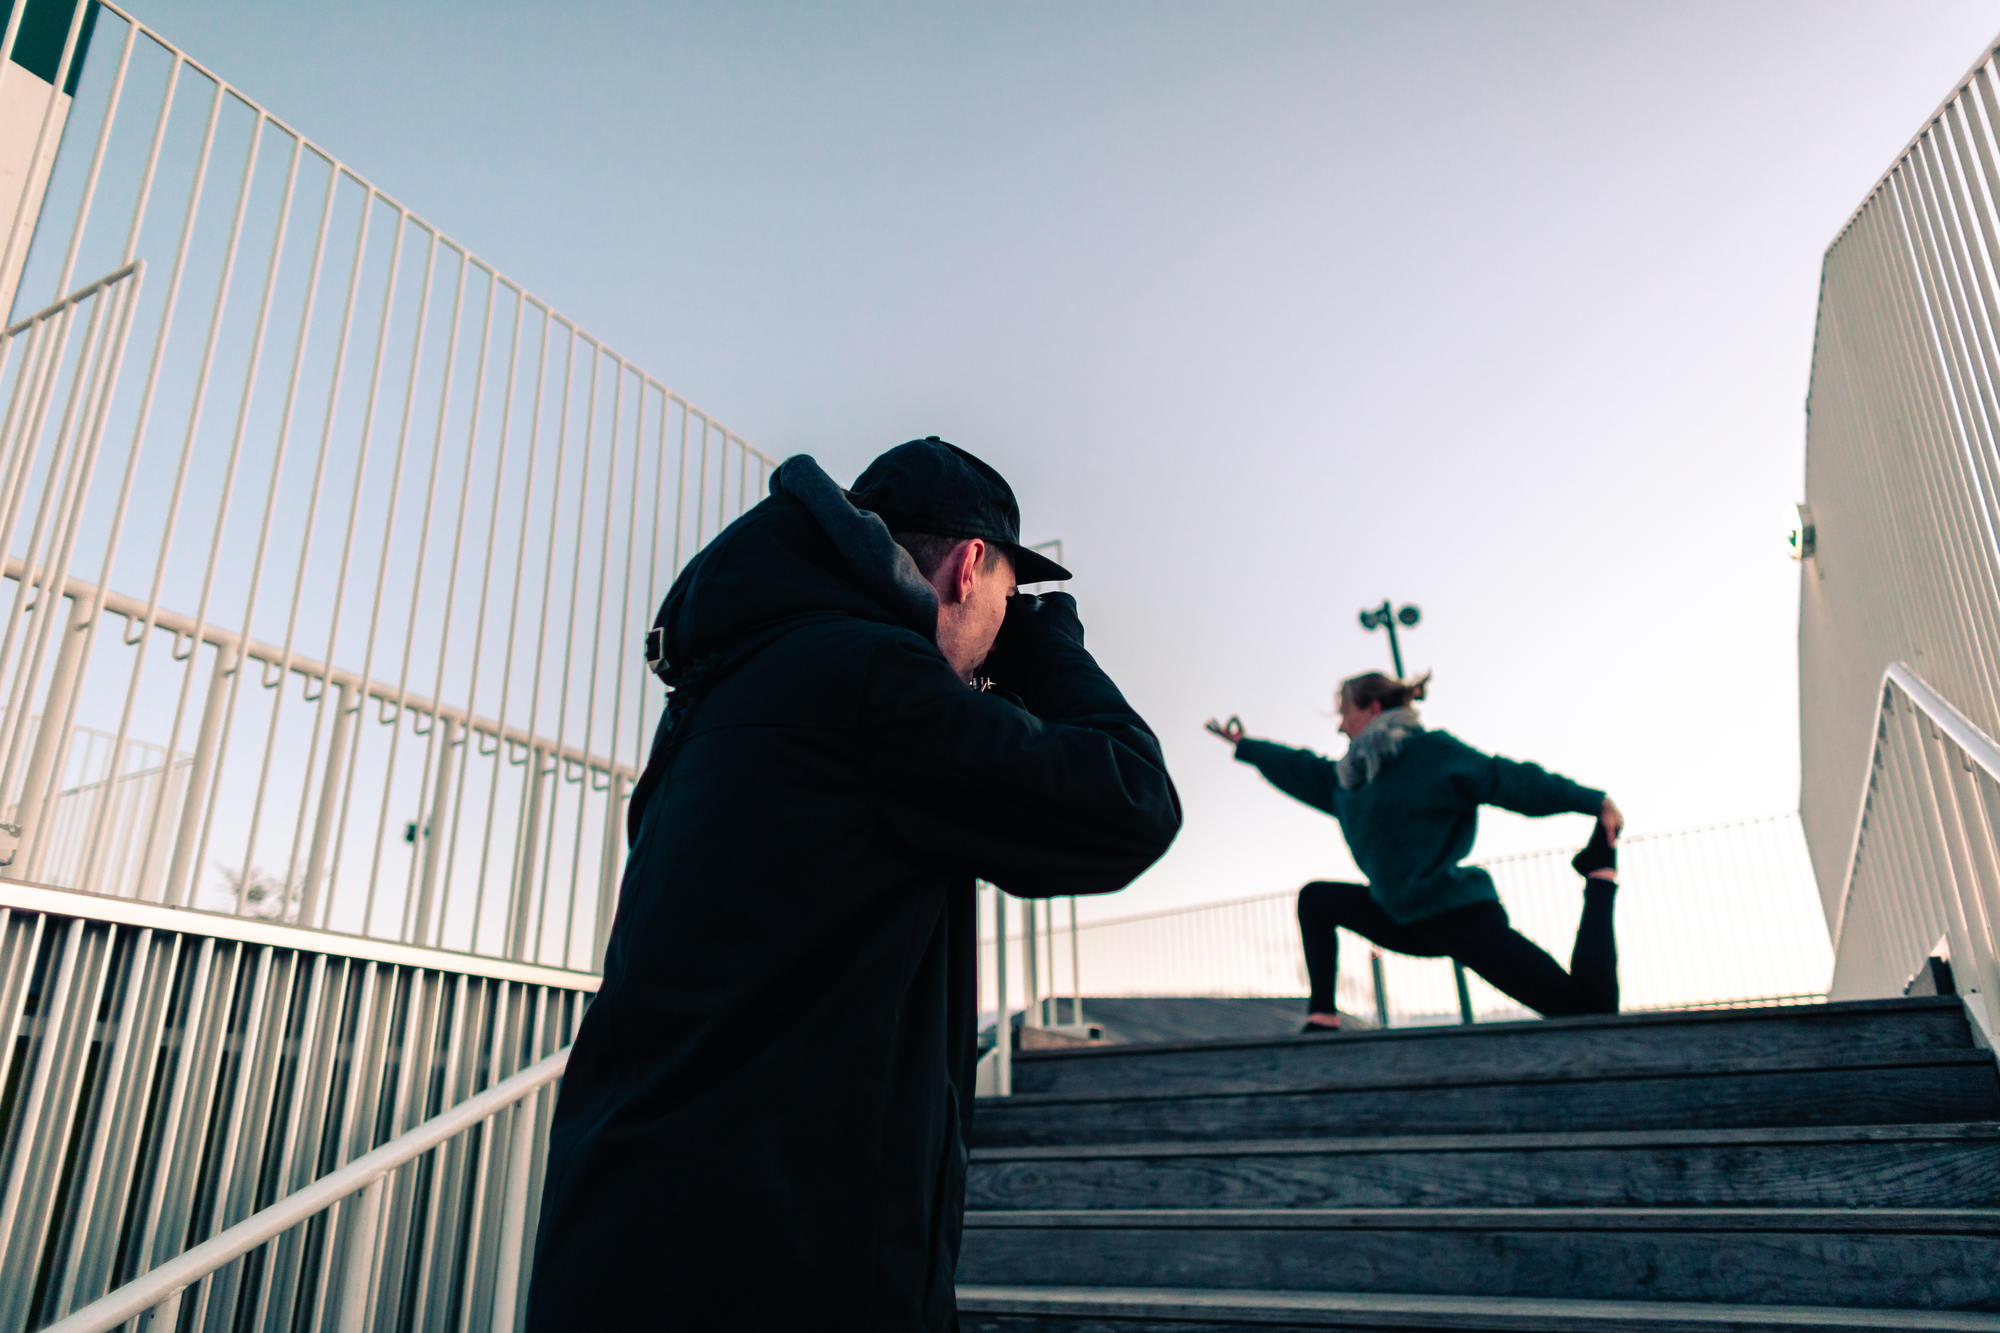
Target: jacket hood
(803,552)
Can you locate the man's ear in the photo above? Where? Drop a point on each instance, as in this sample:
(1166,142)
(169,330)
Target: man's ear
(966,567)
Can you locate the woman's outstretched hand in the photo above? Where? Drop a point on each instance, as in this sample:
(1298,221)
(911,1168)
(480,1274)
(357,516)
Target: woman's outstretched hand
(1231,731)
(1612,818)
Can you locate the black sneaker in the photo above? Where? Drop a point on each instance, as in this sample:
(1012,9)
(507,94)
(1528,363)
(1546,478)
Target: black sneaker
(1597,854)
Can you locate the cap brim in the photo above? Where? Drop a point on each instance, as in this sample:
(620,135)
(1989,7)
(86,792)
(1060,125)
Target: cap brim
(1034,567)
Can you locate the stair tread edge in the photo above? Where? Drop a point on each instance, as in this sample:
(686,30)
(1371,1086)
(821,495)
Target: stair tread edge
(1172,1302)
(1712,1069)
(1584,1022)
(1973,1131)
(1979,1221)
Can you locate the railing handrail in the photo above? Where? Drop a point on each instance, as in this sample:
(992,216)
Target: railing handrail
(1977,747)
(77,297)
(269,933)
(367,687)
(1503,859)
(1980,748)
(149,1290)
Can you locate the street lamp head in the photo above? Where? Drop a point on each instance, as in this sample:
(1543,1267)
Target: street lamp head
(1409,615)
(1369,620)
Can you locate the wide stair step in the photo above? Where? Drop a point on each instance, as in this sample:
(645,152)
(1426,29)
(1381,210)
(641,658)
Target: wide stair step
(1832,1166)
(1001,1309)
(1814,1090)
(1864,1166)
(1855,1032)
(1927,1259)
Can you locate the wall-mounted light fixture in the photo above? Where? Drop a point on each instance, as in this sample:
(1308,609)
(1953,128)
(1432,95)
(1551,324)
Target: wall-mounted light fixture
(1800,539)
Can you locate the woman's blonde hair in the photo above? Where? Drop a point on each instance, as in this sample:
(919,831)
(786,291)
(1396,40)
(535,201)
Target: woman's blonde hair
(1371,687)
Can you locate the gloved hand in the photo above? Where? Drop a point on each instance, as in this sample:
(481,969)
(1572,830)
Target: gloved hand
(1038,635)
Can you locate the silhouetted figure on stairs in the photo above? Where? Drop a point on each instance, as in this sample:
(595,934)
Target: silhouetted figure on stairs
(1408,800)
(763,1124)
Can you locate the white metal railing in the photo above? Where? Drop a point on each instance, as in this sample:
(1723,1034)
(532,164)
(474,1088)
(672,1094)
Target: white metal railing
(1902,506)
(171,1073)
(1045,1001)
(1720,915)
(1924,873)
(364,530)
(71,831)
(350,1305)
(1030,988)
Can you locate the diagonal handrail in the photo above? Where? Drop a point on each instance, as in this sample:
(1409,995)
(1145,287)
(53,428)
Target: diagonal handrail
(160,1290)
(1930,818)
(1979,748)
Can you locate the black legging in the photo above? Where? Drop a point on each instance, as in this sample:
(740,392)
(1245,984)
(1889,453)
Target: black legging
(1477,936)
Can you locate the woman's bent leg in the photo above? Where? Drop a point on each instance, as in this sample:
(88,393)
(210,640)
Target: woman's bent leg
(1593,964)
(1481,938)
(1324,907)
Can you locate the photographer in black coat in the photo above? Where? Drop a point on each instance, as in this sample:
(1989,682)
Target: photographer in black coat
(764,1121)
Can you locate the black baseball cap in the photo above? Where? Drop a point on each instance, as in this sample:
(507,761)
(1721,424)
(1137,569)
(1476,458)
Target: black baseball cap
(930,486)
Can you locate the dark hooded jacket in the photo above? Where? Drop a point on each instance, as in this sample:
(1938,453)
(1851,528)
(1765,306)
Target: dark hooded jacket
(764,1118)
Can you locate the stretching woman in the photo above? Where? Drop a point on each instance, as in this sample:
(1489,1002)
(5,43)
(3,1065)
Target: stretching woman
(1408,803)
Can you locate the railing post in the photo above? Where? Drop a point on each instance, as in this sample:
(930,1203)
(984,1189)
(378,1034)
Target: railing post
(607,873)
(1958,879)
(519,909)
(1075,967)
(358,1271)
(1003,1028)
(1381,990)
(1978,821)
(508,1259)
(1052,1005)
(181,871)
(1031,970)
(51,746)
(329,808)
(1464,991)
(432,830)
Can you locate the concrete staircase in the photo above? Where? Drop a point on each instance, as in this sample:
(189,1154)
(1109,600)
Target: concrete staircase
(1827,1166)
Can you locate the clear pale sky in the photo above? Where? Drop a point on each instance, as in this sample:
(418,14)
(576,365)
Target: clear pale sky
(1269,311)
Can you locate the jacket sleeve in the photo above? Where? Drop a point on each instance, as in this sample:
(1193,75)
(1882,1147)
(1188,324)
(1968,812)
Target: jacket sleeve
(1526,789)
(1072,797)
(1309,777)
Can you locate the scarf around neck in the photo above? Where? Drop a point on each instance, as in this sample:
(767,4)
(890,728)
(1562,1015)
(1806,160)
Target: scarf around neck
(1378,743)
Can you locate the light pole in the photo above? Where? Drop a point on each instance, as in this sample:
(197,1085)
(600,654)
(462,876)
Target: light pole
(1387,617)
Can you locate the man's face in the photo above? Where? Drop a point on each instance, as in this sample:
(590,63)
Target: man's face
(986,608)
(972,601)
